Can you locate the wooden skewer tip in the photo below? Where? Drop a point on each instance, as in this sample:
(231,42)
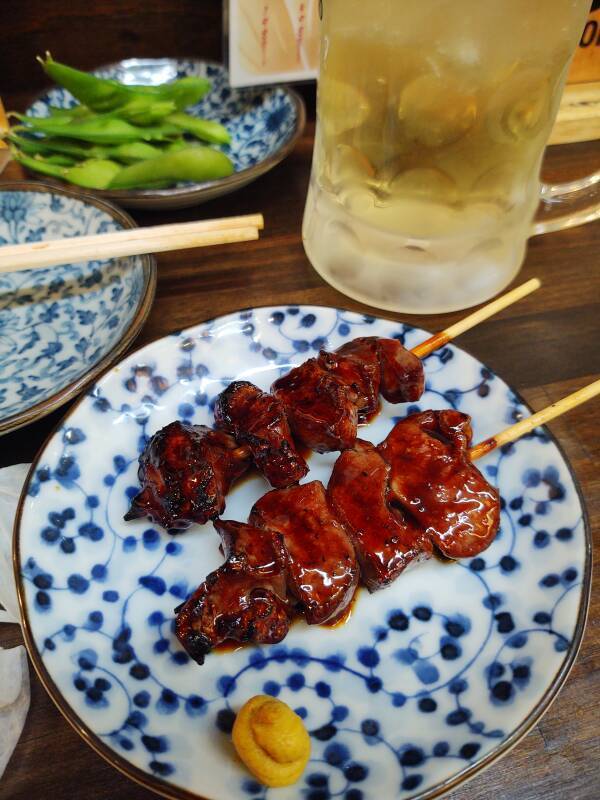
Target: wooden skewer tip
(535,420)
(443,337)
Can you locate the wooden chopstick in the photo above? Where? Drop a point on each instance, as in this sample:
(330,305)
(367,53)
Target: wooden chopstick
(130,242)
(539,418)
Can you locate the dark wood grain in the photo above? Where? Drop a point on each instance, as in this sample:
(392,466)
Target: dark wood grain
(546,346)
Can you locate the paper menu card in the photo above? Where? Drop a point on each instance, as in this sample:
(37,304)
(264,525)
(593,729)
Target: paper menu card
(272,41)
(586,62)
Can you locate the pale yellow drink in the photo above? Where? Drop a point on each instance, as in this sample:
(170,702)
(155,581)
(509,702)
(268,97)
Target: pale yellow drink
(432,120)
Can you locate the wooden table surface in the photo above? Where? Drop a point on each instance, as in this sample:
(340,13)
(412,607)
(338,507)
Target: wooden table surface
(545,346)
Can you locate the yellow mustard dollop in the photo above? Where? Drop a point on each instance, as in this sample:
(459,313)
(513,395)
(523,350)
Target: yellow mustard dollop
(271,740)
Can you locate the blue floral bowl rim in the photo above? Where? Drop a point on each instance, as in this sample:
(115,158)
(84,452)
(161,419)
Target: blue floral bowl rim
(182,196)
(172,792)
(66,393)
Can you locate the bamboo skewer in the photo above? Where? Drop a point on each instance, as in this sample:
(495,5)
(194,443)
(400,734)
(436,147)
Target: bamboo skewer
(535,420)
(129,242)
(443,337)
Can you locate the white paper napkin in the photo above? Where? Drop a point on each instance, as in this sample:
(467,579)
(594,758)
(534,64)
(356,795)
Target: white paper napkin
(14,700)
(14,668)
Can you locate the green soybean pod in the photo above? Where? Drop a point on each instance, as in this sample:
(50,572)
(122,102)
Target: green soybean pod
(36,145)
(145,110)
(100,129)
(195,164)
(106,94)
(98,94)
(205,129)
(130,152)
(60,159)
(91,174)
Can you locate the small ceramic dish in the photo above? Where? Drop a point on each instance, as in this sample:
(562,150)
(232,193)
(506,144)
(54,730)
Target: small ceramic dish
(428,682)
(60,327)
(264,124)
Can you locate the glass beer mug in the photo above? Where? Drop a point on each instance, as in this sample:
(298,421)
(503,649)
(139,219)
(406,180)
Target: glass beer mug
(432,118)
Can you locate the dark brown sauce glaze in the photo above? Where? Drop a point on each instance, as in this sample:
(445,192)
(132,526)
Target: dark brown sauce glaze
(321,410)
(304,451)
(346,616)
(258,420)
(247,477)
(433,479)
(320,562)
(386,540)
(231,646)
(185,472)
(441,558)
(366,418)
(227,646)
(244,600)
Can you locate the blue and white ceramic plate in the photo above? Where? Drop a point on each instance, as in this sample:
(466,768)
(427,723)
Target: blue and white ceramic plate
(429,681)
(264,124)
(60,327)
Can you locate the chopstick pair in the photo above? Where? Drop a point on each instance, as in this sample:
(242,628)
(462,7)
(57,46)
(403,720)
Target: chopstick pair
(130,242)
(528,424)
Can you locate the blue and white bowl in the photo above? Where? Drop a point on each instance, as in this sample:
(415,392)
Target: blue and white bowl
(60,327)
(431,679)
(264,124)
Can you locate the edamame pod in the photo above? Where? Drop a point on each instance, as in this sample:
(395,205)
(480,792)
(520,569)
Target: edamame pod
(205,129)
(195,164)
(127,153)
(105,94)
(35,145)
(91,174)
(99,129)
(145,110)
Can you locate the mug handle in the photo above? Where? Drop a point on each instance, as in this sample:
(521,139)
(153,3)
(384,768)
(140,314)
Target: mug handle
(565,205)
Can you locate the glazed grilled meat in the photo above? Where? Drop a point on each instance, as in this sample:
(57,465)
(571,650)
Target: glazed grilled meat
(243,600)
(433,480)
(390,368)
(356,364)
(326,397)
(386,540)
(386,506)
(321,410)
(402,376)
(185,472)
(253,550)
(258,419)
(322,572)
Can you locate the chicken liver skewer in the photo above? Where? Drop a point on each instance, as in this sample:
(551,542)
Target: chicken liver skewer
(340,390)
(327,397)
(433,480)
(294,541)
(321,566)
(243,600)
(257,419)
(225,606)
(386,540)
(185,472)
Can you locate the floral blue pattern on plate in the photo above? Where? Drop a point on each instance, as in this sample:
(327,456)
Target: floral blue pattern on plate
(264,125)
(431,678)
(57,325)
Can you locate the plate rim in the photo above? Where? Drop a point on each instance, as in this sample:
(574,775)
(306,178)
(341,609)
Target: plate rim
(172,792)
(144,305)
(208,189)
